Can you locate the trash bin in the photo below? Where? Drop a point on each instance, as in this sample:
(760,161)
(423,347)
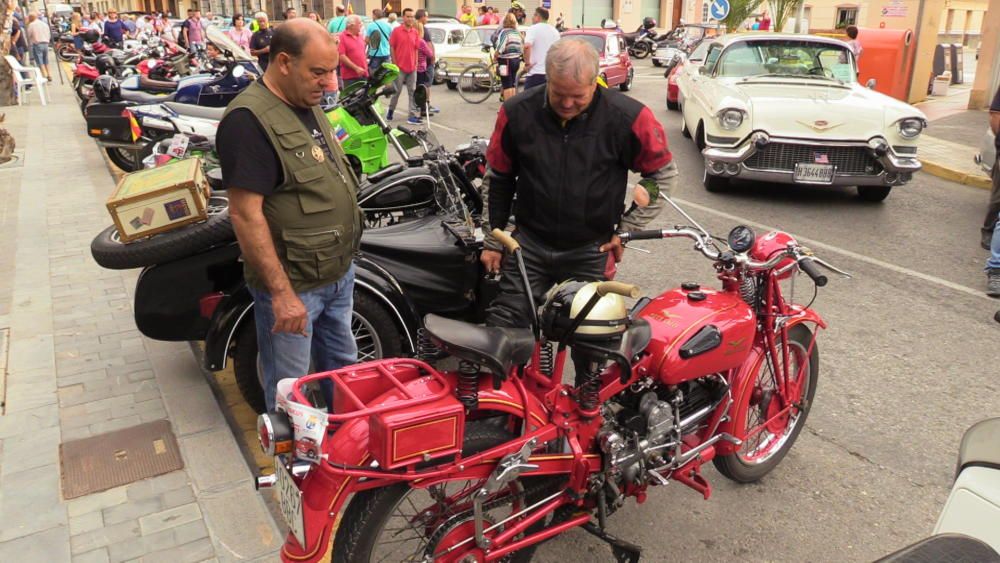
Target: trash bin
(956,56)
(940,85)
(938,64)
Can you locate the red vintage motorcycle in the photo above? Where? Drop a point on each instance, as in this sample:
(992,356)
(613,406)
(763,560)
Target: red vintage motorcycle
(486,462)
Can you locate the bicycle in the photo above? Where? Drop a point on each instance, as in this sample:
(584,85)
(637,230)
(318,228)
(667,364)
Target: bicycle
(478,82)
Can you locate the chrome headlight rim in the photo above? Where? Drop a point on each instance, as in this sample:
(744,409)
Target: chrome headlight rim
(731,119)
(911,127)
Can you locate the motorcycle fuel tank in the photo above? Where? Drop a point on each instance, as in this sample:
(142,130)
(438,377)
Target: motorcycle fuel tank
(697,332)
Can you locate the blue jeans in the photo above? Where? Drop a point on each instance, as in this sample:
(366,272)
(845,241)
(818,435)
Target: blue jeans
(374,63)
(994,260)
(329,342)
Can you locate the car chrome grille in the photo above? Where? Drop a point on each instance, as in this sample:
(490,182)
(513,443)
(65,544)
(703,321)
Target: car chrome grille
(784,156)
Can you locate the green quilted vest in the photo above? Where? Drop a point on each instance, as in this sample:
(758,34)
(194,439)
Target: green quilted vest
(314,217)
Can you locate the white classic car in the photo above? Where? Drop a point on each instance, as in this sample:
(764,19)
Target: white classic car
(788,109)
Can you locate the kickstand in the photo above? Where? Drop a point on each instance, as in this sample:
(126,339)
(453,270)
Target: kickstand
(623,551)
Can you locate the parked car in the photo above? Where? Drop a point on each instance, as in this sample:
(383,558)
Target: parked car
(787,108)
(475,49)
(683,39)
(616,65)
(987,156)
(447,37)
(686,63)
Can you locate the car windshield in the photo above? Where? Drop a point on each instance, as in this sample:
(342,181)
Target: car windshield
(597,41)
(792,58)
(699,52)
(478,37)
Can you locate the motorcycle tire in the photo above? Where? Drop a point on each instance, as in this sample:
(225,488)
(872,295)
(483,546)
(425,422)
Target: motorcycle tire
(109,252)
(657,63)
(124,159)
(375,331)
(369,511)
(641,50)
(734,466)
(67,53)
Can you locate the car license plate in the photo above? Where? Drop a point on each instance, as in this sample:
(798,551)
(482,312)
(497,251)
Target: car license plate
(813,173)
(290,498)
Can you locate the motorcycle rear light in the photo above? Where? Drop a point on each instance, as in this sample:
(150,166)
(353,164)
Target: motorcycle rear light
(274,432)
(209,303)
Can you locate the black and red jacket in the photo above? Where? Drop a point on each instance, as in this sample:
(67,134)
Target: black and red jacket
(570,179)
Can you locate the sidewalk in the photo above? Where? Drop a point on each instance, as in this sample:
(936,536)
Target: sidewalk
(77,367)
(952,139)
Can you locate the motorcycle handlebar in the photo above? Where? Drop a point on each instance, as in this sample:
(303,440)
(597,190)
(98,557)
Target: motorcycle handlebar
(505,239)
(809,267)
(619,288)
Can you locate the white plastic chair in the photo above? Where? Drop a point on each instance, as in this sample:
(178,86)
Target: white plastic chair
(25,76)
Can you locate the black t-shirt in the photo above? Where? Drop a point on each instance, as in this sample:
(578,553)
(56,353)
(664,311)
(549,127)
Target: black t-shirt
(259,40)
(995,106)
(248,160)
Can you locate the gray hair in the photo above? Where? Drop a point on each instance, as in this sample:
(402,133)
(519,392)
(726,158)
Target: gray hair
(352,19)
(573,57)
(259,15)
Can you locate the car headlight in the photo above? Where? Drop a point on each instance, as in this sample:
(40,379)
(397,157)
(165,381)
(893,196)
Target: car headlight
(730,119)
(910,127)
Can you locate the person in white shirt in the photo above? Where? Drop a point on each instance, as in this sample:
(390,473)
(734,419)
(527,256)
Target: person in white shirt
(537,40)
(39,35)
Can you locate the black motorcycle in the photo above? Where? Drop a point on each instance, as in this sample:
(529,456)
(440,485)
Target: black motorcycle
(419,254)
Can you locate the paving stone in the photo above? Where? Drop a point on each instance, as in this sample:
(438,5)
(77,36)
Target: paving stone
(115,424)
(228,513)
(37,449)
(97,501)
(170,518)
(131,510)
(213,459)
(30,353)
(28,395)
(95,556)
(156,486)
(177,497)
(193,411)
(47,546)
(133,548)
(177,370)
(30,502)
(13,424)
(194,552)
(104,537)
(86,523)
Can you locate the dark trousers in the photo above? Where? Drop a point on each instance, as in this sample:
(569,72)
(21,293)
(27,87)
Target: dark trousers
(994,206)
(374,63)
(546,267)
(533,80)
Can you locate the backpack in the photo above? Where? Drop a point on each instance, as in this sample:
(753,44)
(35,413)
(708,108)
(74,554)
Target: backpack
(375,39)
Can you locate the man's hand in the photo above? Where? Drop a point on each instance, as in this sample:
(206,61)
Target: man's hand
(491,260)
(290,314)
(615,246)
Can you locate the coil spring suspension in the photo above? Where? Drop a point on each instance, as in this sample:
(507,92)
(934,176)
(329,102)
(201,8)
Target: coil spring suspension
(546,359)
(426,350)
(467,390)
(748,290)
(588,387)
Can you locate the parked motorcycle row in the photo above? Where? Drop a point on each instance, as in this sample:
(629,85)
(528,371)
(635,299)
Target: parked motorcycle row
(486,460)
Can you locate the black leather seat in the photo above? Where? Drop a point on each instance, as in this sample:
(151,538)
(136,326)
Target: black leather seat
(191,110)
(150,85)
(143,97)
(494,348)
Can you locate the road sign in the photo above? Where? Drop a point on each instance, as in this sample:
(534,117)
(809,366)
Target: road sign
(719,9)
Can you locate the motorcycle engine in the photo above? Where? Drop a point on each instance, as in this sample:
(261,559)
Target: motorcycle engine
(643,430)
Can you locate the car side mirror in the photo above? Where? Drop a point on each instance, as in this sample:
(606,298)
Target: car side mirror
(703,71)
(870,84)
(486,48)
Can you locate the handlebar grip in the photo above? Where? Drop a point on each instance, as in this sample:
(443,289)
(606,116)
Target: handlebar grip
(623,289)
(809,267)
(505,239)
(649,234)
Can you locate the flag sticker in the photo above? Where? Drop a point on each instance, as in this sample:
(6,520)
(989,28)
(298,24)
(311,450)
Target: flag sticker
(341,134)
(821,158)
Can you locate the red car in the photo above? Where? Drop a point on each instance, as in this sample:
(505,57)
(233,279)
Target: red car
(616,66)
(685,64)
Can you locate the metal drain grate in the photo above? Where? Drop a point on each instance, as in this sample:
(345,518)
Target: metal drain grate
(117,458)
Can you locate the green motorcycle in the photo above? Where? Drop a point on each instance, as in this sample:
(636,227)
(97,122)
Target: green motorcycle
(360,128)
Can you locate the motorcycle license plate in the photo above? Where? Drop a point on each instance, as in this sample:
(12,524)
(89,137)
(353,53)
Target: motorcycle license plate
(813,173)
(290,498)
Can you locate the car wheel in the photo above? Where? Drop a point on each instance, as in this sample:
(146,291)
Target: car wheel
(452,85)
(715,184)
(657,63)
(699,139)
(874,193)
(627,85)
(673,106)
(684,126)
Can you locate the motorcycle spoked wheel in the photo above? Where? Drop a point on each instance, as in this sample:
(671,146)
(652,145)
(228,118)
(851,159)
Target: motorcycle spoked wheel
(767,443)
(67,53)
(375,334)
(641,50)
(124,159)
(373,521)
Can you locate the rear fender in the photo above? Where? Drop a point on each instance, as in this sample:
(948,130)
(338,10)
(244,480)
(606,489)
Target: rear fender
(742,383)
(325,494)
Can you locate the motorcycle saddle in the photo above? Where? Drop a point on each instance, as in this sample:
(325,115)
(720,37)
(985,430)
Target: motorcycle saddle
(494,348)
(150,85)
(191,110)
(141,97)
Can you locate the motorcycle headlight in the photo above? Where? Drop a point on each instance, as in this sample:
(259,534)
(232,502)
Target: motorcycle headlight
(910,127)
(730,119)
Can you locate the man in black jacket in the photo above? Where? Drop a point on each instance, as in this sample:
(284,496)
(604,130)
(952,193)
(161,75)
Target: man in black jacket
(565,151)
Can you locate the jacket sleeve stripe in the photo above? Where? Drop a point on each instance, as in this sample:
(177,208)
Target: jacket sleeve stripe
(653,150)
(496,156)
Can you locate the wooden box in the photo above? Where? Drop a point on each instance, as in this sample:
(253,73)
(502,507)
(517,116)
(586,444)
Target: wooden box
(156,200)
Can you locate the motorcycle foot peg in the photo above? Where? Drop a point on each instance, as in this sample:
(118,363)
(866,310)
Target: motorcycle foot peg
(265,481)
(657,478)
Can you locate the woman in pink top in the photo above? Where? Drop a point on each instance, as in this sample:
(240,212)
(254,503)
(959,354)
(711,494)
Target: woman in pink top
(239,33)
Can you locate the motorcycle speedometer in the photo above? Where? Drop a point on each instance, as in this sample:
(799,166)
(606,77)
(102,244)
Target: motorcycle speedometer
(741,238)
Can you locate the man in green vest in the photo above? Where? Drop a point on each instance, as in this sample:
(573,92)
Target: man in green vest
(293,206)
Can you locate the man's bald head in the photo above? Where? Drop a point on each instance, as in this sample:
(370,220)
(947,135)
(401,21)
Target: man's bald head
(292,36)
(573,58)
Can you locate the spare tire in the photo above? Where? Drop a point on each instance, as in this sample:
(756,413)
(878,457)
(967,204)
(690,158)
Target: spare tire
(109,252)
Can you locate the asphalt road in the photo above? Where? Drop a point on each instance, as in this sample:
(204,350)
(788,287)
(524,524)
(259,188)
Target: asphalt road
(905,364)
